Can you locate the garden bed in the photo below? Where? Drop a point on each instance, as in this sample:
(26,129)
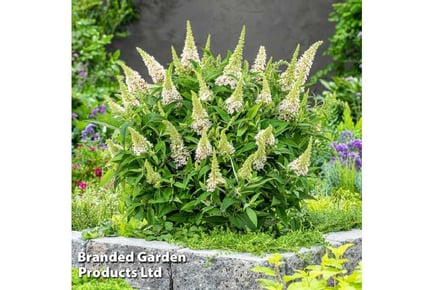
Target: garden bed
(160,265)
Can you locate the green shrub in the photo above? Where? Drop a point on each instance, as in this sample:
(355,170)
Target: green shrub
(347,90)
(212,142)
(86,283)
(346,43)
(92,207)
(330,274)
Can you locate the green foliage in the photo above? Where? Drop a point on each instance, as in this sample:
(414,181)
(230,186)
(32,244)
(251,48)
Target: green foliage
(256,243)
(347,90)
(340,212)
(90,283)
(346,43)
(213,145)
(88,164)
(92,207)
(94,24)
(330,274)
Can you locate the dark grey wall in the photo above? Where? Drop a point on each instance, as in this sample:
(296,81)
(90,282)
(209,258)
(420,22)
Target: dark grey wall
(277,24)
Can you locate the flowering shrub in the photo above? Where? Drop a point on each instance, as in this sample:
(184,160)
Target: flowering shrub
(212,141)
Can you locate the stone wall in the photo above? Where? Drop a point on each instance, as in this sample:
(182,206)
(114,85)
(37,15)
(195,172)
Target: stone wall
(173,267)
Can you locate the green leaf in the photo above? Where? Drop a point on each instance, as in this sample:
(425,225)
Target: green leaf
(265,270)
(227,202)
(107,177)
(253,111)
(252,216)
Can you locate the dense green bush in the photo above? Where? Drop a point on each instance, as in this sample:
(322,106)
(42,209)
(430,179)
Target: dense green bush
(212,142)
(94,24)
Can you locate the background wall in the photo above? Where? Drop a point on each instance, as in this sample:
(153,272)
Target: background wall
(277,24)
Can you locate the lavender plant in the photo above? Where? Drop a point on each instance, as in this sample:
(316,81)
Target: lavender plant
(212,142)
(344,171)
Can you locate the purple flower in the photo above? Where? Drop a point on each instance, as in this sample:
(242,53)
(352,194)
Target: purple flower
(358,163)
(94,112)
(74,116)
(94,137)
(356,144)
(83,74)
(345,136)
(102,109)
(89,130)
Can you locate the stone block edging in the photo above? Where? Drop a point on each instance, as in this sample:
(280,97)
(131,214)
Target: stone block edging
(160,265)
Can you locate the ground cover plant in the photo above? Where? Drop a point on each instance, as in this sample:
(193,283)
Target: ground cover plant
(330,274)
(91,283)
(213,142)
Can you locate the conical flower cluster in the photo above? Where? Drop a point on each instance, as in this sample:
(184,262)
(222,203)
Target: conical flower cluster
(140,143)
(128,100)
(289,107)
(199,115)
(265,137)
(301,165)
(178,153)
(260,61)
(305,62)
(233,68)
(235,102)
(260,157)
(215,177)
(155,69)
(288,77)
(115,108)
(190,50)
(265,95)
(225,148)
(245,172)
(204,148)
(152,177)
(179,69)
(134,81)
(204,92)
(169,94)
(207,61)
(112,147)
